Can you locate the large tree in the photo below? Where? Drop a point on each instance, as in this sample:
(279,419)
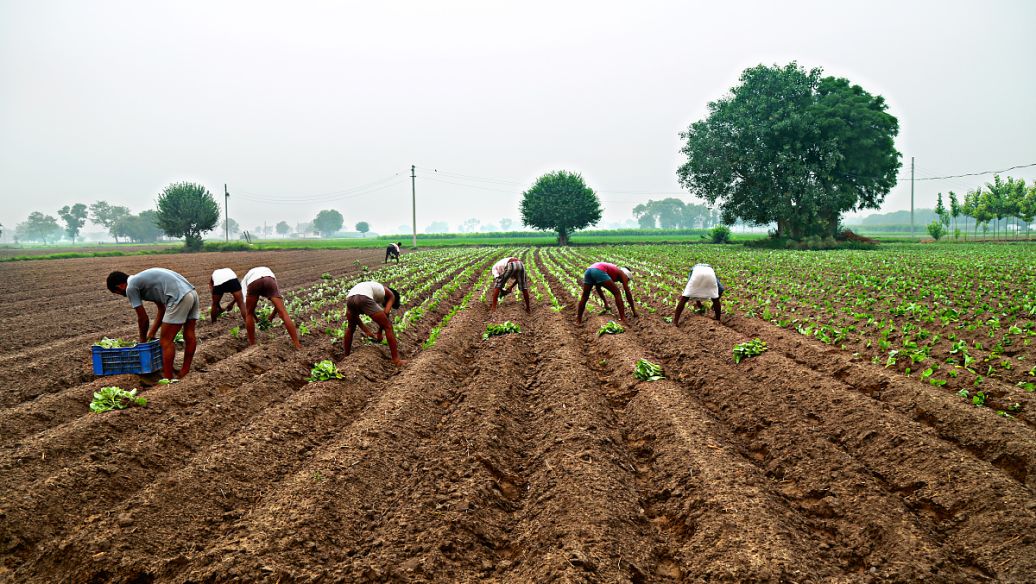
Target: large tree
(363,227)
(560,201)
(107,215)
(187,210)
(74,218)
(791,147)
(283,228)
(38,227)
(328,222)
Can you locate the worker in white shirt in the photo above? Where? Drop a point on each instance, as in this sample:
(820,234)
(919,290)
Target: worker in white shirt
(376,301)
(261,283)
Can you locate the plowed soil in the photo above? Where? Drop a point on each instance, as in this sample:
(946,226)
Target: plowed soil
(531,457)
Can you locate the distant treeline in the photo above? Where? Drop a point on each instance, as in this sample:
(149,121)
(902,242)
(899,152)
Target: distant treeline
(534,234)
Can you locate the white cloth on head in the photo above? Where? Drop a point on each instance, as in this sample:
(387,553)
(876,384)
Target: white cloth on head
(372,290)
(702,284)
(222,276)
(500,266)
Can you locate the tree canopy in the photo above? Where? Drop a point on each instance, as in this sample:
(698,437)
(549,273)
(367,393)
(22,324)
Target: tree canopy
(328,222)
(791,147)
(672,213)
(187,210)
(107,215)
(142,228)
(283,228)
(363,227)
(74,218)
(560,201)
(38,227)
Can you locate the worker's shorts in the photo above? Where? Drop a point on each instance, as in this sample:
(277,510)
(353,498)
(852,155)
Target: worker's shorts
(359,304)
(229,287)
(265,287)
(595,277)
(186,309)
(514,270)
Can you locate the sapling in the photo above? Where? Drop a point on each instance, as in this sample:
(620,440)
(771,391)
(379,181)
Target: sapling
(115,398)
(324,371)
(645,370)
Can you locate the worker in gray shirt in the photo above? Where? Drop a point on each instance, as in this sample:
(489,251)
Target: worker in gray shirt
(178,308)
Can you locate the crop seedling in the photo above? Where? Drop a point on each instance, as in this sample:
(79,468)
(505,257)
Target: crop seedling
(325,276)
(645,370)
(748,349)
(115,398)
(262,318)
(234,332)
(507,327)
(611,328)
(323,371)
(107,343)
(179,337)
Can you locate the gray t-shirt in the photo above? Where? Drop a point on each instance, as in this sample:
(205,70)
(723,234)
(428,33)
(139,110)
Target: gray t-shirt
(157,285)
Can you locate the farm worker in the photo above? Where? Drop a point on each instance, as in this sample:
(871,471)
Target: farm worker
(702,284)
(603,274)
(392,250)
(178,307)
(368,298)
(509,269)
(261,283)
(224,281)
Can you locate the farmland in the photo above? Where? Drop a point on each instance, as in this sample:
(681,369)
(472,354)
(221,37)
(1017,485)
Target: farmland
(852,449)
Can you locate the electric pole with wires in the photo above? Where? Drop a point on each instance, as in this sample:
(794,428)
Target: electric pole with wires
(226,213)
(413,201)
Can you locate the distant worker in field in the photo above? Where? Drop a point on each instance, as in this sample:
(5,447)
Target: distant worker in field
(369,298)
(261,283)
(178,308)
(224,281)
(702,284)
(509,269)
(603,274)
(392,251)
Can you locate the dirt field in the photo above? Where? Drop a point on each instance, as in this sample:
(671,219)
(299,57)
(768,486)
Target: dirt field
(528,457)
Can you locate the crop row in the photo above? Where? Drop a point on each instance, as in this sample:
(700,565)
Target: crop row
(963,318)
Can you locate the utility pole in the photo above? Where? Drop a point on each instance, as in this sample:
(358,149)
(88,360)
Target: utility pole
(413,200)
(226,212)
(911,196)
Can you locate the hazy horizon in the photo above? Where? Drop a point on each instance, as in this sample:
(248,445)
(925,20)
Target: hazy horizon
(318,105)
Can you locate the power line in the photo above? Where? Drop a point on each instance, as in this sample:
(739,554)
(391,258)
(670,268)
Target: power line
(319,197)
(977,173)
(296,201)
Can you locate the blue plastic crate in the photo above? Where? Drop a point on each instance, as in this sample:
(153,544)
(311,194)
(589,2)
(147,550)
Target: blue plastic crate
(142,358)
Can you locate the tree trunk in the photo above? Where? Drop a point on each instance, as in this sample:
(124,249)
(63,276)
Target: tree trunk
(562,237)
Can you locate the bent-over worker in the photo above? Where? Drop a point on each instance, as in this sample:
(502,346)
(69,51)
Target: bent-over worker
(510,268)
(178,308)
(603,274)
(702,284)
(261,283)
(369,298)
(224,281)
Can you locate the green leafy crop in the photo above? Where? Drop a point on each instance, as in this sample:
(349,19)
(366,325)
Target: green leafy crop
(645,370)
(115,398)
(107,343)
(751,348)
(507,327)
(323,371)
(611,328)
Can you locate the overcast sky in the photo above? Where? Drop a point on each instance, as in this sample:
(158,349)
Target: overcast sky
(302,106)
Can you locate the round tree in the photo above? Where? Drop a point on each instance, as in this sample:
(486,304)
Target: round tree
(187,210)
(560,201)
(328,222)
(790,147)
(283,228)
(363,227)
